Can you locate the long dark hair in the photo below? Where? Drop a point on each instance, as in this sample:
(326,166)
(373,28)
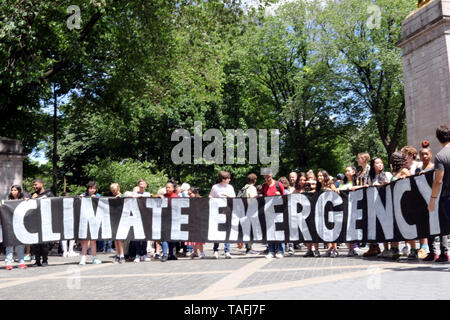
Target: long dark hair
(372,173)
(353,177)
(326,180)
(19,195)
(297,182)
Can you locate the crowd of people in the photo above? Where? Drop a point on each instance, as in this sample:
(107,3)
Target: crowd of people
(370,172)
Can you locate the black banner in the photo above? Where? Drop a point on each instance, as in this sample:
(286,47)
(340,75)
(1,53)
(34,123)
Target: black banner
(395,212)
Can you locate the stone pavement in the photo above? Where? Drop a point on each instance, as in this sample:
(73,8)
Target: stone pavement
(247,277)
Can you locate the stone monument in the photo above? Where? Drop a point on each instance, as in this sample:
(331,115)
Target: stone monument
(425,43)
(11,165)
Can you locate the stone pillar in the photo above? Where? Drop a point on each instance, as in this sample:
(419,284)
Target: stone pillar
(425,44)
(11,165)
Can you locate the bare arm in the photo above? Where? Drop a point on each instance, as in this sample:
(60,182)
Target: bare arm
(437,184)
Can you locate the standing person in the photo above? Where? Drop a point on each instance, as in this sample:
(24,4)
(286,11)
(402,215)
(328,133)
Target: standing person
(138,248)
(15,194)
(310,187)
(285,182)
(347,183)
(249,191)
(300,184)
(273,188)
(293,176)
(425,156)
(441,180)
(91,192)
(411,156)
(324,183)
(362,177)
(378,177)
(169,247)
(197,246)
(41,249)
(120,254)
(222,189)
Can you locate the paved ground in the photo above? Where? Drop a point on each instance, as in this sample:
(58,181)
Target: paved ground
(243,277)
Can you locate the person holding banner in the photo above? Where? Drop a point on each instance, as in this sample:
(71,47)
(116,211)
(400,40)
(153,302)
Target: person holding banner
(169,247)
(441,180)
(273,188)
(120,254)
(41,249)
(90,192)
(197,246)
(223,189)
(15,194)
(310,187)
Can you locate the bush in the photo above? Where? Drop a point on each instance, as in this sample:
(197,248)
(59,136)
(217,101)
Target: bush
(127,173)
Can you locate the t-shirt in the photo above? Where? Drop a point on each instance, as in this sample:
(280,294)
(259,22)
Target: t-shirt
(272,190)
(172,195)
(46,193)
(220,191)
(250,191)
(442,162)
(345,186)
(414,166)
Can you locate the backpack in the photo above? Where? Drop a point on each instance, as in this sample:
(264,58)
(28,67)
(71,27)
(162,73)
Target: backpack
(243,192)
(264,188)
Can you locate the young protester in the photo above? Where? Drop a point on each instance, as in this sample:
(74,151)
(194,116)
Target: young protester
(273,188)
(324,183)
(249,191)
(347,183)
(441,180)
(310,187)
(222,189)
(285,182)
(300,184)
(15,194)
(362,176)
(169,247)
(120,254)
(197,246)
(91,192)
(41,249)
(425,156)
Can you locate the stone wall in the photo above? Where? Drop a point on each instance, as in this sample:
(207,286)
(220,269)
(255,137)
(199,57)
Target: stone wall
(11,165)
(426,68)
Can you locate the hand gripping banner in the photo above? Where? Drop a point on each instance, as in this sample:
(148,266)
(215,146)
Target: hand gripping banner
(395,212)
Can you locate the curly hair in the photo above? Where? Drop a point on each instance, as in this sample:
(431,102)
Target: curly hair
(398,161)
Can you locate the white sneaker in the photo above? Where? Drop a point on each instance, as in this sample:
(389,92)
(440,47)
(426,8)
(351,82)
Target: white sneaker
(216,254)
(72,254)
(227,255)
(279,255)
(96,261)
(65,254)
(202,256)
(83,260)
(146,258)
(269,256)
(137,259)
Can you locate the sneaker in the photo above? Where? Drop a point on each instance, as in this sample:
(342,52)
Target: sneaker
(111,251)
(405,250)
(291,251)
(270,256)
(413,255)
(9,267)
(172,257)
(45,263)
(359,251)
(156,256)
(227,255)
(37,263)
(193,255)
(395,253)
(23,266)
(328,253)
(317,254)
(145,258)
(443,257)
(309,254)
(334,253)
(27,258)
(116,259)
(164,258)
(83,260)
(279,255)
(385,254)
(137,259)
(73,254)
(251,252)
(216,254)
(122,260)
(431,257)
(65,254)
(96,261)
(421,254)
(352,253)
(202,256)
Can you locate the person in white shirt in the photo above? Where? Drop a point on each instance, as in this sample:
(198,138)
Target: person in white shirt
(222,189)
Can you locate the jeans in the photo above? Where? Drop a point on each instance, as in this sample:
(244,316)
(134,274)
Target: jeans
(445,203)
(168,248)
(279,247)
(10,254)
(226,249)
(104,245)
